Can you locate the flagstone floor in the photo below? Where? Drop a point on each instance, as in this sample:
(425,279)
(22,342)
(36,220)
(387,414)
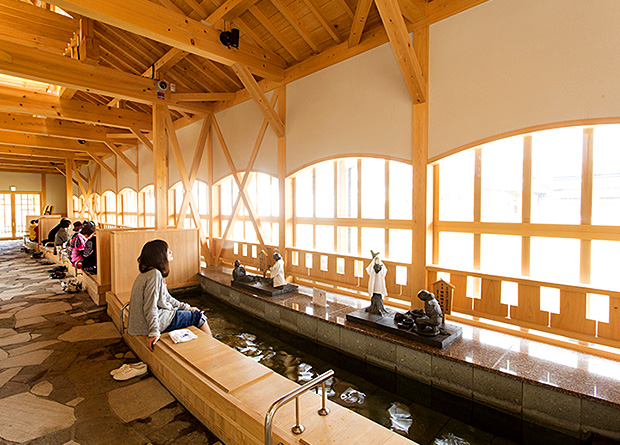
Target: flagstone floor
(56,352)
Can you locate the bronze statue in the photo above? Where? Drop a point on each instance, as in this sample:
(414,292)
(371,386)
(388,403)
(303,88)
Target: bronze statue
(239,274)
(426,321)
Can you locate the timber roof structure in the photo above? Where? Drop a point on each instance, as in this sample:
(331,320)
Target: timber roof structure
(78,77)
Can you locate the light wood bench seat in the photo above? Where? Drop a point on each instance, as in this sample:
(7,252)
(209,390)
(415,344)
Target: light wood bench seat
(231,393)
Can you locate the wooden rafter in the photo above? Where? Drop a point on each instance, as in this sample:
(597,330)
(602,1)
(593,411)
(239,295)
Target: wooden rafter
(296,24)
(273,30)
(322,18)
(199,97)
(146,18)
(259,97)
(396,29)
(229,10)
(29,151)
(142,138)
(359,21)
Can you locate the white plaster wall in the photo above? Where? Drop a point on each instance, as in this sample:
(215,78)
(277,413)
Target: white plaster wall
(507,65)
(23,182)
(361,105)
(107,181)
(55,193)
(145,166)
(126,176)
(240,126)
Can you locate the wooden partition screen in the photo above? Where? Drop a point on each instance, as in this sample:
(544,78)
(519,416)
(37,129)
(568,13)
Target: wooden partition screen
(125,247)
(104,267)
(47,223)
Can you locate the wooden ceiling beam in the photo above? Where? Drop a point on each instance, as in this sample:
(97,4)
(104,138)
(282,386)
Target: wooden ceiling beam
(27,159)
(199,97)
(359,21)
(28,151)
(396,29)
(38,15)
(33,140)
(261,100)
(414,10)
(102,163)
(23,123)
(119,153)
(26,62)
(147,19)
(47,171)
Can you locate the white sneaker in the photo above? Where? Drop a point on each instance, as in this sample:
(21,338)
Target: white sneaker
(129,371)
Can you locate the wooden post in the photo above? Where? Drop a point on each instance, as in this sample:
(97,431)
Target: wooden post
(419,162)
(160,166)
(69,185)
(286,211)
(43,192)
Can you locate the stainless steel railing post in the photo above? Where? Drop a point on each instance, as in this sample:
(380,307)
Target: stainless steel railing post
(324,409)
(297,428)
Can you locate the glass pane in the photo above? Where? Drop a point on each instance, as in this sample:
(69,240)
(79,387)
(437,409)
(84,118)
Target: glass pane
(373,188)
(304,236)
(456,250)
(347,240)
(25,204)
(400,245)
(401,186)
(303,194)
(500,254)
(275,197)
(604,270)
(347,188)
(325,189)
(556,176)
(226,200)
(202,198)
(6,230)
(502,180)
(373,239)
(264,196)
(237,231)
(250,233)
(606,187)
(325,238)
(456,187)
(554,259)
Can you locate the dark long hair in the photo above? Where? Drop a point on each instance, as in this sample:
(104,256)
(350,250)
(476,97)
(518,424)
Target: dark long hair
(154,255)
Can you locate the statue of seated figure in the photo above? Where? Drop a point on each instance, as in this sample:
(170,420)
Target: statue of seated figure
(430,318)
(239,274)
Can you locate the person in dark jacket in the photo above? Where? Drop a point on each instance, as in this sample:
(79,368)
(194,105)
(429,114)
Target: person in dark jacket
(89,253)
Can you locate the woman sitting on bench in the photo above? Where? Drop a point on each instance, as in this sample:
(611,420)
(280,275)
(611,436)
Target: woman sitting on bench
(152,310)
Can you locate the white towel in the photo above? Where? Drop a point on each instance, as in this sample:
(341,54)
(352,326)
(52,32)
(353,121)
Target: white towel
(181,335)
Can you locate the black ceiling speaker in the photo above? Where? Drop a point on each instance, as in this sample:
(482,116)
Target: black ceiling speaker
(230,38)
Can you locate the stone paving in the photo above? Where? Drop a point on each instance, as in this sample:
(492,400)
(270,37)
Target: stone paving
(56,352)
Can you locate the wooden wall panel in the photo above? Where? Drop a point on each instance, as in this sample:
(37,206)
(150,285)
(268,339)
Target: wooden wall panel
(127,244)
(460,301)
(490,303)
(529,307)
(572,316)
(47,223)
(611,330)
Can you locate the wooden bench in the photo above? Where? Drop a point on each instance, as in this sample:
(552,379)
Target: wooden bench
(231,393)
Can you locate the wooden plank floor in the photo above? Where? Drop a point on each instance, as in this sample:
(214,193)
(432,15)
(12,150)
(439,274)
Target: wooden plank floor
(231,393)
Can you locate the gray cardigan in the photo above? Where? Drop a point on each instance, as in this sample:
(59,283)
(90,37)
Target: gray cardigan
(151,307)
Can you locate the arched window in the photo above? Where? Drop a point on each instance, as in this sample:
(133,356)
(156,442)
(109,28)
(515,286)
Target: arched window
(128,207)
(77,206)
(262,191)
(146,206)
(201,198)
(108,208)
(543,206)
(352,205)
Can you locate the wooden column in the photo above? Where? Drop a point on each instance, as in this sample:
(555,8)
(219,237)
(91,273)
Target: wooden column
(69,185)
(160,166)
(43,191)
(285,225)
(211,192)
(587,179)
(419,162)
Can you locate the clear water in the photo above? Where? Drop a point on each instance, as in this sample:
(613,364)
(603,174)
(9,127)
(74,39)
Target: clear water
(424,414)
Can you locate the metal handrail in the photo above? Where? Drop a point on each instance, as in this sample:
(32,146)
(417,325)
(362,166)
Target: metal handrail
(122,326)
(297,428)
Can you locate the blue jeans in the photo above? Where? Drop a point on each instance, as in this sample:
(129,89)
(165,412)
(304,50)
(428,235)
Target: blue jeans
(184,319)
